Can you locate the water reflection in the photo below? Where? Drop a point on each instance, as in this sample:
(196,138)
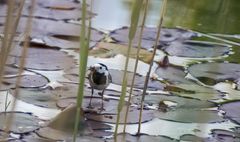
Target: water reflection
(215,16)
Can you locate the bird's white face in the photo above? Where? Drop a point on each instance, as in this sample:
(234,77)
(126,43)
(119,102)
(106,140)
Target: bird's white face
(100,68)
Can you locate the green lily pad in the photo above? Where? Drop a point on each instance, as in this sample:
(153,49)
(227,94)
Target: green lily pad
(215,71)
(181,102)
(197,49)
(22,122)
(190,116)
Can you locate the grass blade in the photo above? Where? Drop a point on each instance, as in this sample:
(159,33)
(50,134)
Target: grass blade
(163,9)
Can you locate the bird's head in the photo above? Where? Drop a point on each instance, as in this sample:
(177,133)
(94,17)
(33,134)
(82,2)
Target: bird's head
(100,68)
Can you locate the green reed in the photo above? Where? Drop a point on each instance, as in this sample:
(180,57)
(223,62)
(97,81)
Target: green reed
(132,31)
(163,9)
(136,63)
(83,53)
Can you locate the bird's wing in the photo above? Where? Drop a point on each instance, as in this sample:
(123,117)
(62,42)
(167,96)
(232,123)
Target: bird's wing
(110,78)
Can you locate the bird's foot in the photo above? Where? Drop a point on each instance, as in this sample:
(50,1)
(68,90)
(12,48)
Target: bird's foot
(101,109)
(90,106)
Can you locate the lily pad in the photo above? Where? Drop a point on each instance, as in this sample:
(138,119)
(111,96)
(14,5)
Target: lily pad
(22,122)
(106,50)
(197,49)
(133,114)
(47,59)
(172,74)
(232,110)
(28,81)
(10,71)
(215,71)
(110,105)
(149,35)
(142,138)
(181,102)
(190,116)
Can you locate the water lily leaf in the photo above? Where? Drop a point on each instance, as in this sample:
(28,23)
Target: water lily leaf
(142,138)
(190,116)
(232,110)
(110,105)
(180,102)
(28,81)
(197,49)
(172,74)
(39,97)
(149,35)
(106,50)
(10,71)
(194,91)
(215,71)
(117,76)
(23,122)
(47,59)
(132,119)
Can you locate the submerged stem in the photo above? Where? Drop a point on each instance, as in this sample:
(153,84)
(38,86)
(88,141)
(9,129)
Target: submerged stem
(163,9)
(136,63)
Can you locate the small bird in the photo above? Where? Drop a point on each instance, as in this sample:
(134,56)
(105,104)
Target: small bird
(99,79)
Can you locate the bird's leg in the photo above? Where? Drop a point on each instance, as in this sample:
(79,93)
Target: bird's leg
(102,108)
(90,102)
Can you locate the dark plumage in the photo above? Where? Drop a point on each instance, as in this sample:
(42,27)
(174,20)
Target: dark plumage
(99,78)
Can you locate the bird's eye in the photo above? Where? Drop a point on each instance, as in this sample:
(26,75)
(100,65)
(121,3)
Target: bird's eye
(100,67)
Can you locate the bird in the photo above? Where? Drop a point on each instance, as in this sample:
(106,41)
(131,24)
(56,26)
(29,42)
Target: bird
(99,79)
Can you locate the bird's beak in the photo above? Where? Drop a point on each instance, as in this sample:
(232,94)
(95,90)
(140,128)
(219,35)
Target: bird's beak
(92,69)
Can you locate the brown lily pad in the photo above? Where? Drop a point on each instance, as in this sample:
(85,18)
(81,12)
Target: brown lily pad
(22,122)
(47,59)
(28,81)
(106,50)
(149,36)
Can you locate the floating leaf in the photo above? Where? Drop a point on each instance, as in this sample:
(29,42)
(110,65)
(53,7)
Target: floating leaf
(142,138)
(232,110)
(22,122)
(149,35)
(197,49)
(106,50)
(209,72)
(47,59)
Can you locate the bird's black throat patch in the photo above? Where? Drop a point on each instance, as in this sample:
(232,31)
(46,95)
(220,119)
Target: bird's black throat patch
(99,78)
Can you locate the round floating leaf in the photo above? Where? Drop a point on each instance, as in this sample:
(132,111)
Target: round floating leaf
(109,105)
(181,102)
(149,35)
(106,50)
(39,97)
(10,71)
(142,138)
(207,72)
(197,49)
(232,110)
(172,74)
(22,122)
(194,91)
(132,116)
(190,116)
(47,59)
(28,81)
